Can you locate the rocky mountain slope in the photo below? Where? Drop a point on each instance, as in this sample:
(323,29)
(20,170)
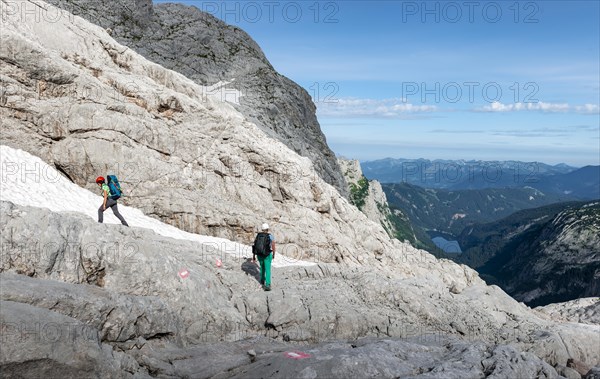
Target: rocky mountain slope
(481,242)
(368,196)
(135,314)
(89,106)
(583,183)
(584,310)
(552,261)
(226,61)
(197,163)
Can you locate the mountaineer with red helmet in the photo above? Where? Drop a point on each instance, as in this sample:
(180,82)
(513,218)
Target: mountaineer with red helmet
(109,202)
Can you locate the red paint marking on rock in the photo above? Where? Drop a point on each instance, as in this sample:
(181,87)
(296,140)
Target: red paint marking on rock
(219,263)
(183,273)
(296,355)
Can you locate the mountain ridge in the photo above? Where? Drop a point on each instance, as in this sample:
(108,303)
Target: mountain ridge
(187,159)
(462,175)
(226,61)
(555,259)
(478,235)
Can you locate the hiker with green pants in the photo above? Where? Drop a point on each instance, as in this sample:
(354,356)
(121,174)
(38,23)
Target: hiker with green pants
(264,249)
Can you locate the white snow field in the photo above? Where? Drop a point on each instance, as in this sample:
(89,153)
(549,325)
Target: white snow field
(28,181)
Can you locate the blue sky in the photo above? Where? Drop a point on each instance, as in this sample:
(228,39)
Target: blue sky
(454,80)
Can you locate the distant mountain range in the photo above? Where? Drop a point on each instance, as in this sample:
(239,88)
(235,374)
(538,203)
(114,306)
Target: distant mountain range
(578,183)
(446,213)
(583,183)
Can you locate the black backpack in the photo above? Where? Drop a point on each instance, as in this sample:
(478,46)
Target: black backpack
(262,245)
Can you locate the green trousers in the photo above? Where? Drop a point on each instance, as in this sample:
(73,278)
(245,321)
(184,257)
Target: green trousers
(265,269)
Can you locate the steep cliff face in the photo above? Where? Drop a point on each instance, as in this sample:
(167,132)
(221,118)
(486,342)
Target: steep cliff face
(368,196)
(223,58)
(551,261)
(90,106)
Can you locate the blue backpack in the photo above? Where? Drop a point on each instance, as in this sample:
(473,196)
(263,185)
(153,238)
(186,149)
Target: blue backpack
(114,186)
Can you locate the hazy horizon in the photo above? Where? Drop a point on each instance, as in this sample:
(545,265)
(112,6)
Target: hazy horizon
(461,159)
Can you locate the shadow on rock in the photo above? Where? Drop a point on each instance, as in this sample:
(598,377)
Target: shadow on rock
(251,268)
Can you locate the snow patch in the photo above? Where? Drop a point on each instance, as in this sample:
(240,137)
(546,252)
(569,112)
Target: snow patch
(27,180)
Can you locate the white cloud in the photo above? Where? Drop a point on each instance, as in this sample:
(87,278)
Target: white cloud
(385,108)
(588,108)
(540,107)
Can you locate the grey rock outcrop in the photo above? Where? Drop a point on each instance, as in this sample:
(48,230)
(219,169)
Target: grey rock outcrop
(223,58)
(594,373)
(117,318)
(87,105)
(369,197)
(423,357)
(139,305)
(585,310)
(40,343)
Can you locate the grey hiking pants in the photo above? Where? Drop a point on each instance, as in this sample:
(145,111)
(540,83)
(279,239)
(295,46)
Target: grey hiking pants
(110,203)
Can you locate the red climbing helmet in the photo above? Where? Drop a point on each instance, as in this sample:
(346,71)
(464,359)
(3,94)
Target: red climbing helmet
(100,179)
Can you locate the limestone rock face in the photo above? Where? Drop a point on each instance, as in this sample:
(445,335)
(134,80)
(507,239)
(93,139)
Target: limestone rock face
(426,357)
(585,310)
(118,318)
(138,304)
(367,195)
(40,343)
(90,106)
(223,58)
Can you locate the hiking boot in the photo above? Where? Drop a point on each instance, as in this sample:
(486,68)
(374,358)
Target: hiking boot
(267,288)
